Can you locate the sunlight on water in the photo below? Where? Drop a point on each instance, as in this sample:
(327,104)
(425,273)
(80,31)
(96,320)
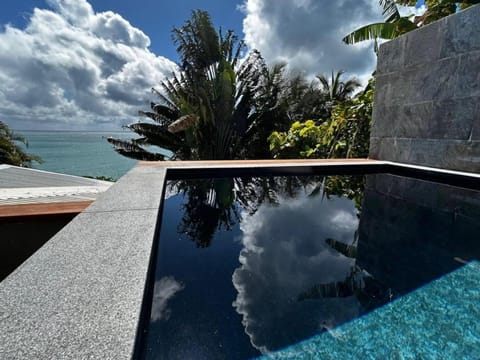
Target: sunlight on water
(440,320)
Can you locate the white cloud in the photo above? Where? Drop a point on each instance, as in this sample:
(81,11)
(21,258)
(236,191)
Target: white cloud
(165,288)
(412,10)
(74,68)
(284,255)
(308,34)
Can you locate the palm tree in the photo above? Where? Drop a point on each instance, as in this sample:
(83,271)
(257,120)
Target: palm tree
(211,107)
(396,25)
(393,26)
(334,91)
(10,152)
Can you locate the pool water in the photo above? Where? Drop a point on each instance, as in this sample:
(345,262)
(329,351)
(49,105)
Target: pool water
(438,321)
(374,266)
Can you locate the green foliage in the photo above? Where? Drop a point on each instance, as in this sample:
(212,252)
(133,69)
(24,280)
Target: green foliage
(437,9)
(393,26)
(334,91)
(302,140)
(220,107)
(10,152)
(396,25)
(351,187)
(345,134)
(216,106)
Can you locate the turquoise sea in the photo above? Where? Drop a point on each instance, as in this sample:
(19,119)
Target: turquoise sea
(80,153)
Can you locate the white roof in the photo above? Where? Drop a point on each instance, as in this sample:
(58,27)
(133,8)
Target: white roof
(27,186)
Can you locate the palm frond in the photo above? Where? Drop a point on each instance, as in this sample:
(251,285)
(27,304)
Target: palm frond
(10,152)
(166,100)
(372,32)
(165,111)
(133,151)
(389,10)
(157,135)
(162,120)
(183,123)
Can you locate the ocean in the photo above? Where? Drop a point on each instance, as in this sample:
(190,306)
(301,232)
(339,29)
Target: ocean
(80,153)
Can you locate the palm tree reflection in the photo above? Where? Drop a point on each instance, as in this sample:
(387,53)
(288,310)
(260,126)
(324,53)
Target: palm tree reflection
(214,204)
(210,207)
(359,283)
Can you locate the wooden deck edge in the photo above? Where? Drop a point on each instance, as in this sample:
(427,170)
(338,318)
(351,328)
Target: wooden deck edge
(250,162)
(42,209)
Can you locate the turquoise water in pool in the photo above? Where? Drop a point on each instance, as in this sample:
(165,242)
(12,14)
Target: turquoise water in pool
(437,321)
(337,267)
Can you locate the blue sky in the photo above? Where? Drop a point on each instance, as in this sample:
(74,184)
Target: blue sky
(89,64)
(156,18)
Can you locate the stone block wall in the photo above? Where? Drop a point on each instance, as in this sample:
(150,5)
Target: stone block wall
(427,100)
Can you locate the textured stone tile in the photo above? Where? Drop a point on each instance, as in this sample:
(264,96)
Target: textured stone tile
(383,91)
(476,122)
(385,120)
(413,120)
(461,33)
(454,118)
(140,188)
(424,47)
(393,88)
(433,81)
(390,149)
(80,295)
(446,154)
(391,56)
(374,149)
(445,119)
(427,103)
(468,77)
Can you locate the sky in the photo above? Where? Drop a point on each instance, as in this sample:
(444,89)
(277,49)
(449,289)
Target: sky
(90,64)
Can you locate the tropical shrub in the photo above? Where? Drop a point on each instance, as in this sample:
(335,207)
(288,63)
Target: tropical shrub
(10,152)
(302,140)
(345,134)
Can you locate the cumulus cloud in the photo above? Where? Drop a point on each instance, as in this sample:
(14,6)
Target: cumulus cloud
(74,68)
(412,10)
(308,34)
(278,264)
(165,288)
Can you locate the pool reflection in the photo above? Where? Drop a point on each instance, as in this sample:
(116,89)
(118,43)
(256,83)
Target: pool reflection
(251,265)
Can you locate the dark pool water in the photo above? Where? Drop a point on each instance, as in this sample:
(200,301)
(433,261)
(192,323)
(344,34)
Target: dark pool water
(340,267)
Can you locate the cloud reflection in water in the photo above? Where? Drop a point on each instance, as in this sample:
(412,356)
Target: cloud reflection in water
(284,255)
(165,288)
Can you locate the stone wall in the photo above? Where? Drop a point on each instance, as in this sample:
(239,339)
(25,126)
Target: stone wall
(427,100)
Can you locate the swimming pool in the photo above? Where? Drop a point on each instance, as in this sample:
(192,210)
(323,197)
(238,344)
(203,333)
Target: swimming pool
(322,266)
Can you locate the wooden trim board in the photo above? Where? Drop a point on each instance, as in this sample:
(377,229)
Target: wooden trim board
(40,209)
(251,162)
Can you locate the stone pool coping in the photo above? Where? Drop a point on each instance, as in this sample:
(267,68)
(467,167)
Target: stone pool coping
(80,295)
